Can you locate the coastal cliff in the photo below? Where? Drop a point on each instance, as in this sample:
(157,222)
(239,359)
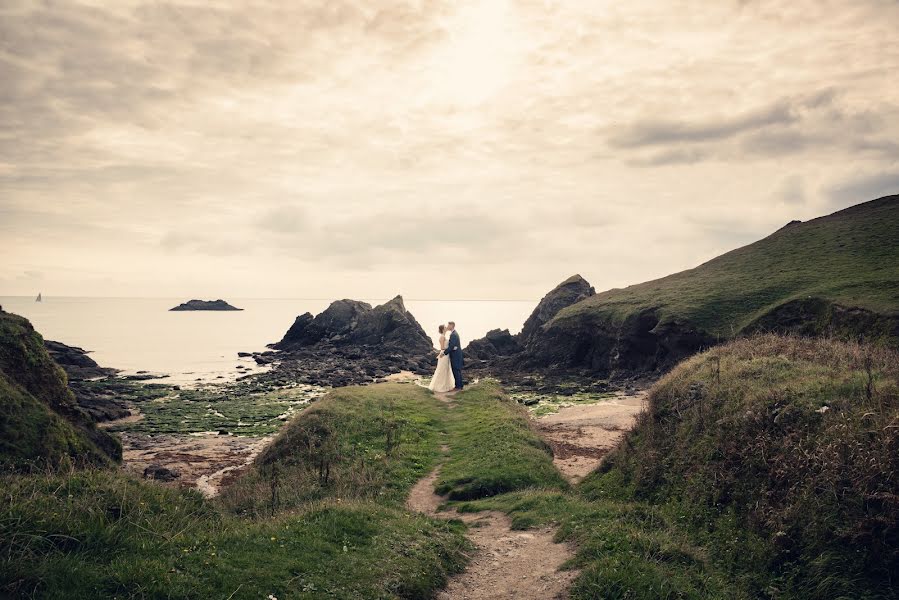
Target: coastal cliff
(42,424)
(834,276)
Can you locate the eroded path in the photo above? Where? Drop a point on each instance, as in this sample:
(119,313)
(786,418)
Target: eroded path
(510,564)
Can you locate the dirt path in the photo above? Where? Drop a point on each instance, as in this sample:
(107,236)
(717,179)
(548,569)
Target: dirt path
(521,565)
(506,564)
(581,435)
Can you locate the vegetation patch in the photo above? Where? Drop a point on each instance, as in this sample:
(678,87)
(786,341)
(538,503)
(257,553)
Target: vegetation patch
(321,514)
(494,447)
(371,442)
(237,411)
(780,455)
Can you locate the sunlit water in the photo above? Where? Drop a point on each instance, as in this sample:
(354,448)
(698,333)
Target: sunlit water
(141,334)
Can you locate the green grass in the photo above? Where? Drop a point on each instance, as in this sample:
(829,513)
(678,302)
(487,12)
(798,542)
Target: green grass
(780,456)
(232,409)
(493,447)
(849,258)
(40,424)
(371,442)
(280,529)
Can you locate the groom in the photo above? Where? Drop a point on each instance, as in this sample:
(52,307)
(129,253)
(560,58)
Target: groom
(454,351)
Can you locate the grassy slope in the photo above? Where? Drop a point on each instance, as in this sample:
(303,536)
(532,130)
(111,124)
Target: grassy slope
(738,487)
(850,258)
(786,464)
(40,423)
(96,534)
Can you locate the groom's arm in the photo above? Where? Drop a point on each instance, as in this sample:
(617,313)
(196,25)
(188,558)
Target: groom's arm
(450,347)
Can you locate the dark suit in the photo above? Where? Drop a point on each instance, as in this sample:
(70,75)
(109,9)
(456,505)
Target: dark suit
(454,351)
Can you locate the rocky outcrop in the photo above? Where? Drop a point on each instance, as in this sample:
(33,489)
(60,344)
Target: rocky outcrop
(76,362)
(41,424)
(100,402)
(497,343)
(641,344)
(350,342)
(818,316)
(205,305)
(572,290)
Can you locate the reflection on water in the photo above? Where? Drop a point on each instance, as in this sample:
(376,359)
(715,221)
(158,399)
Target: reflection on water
(136,334)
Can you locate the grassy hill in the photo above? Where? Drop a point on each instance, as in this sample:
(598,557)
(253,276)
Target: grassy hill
(320,515)
(837,274)
(40,423)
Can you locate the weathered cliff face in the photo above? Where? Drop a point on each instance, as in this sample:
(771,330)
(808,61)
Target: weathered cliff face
(572,290)
(639,345)
(817,316)
(643,345)
(40,421)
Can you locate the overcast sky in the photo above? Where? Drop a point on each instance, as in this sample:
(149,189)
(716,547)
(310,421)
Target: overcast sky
(458,149)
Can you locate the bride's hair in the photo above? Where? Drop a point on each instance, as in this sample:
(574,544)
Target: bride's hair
(442,328)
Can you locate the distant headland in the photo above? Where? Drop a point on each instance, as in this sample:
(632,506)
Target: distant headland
(205,305)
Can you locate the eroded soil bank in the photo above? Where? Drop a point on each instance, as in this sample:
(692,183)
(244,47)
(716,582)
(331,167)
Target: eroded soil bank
(582,434)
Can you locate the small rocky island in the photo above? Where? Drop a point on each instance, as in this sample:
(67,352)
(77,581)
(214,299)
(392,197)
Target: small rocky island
(205,305)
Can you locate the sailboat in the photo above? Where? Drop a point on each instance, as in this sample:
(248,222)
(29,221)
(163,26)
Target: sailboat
(38,299)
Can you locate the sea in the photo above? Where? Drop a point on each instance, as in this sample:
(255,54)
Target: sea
(142,335)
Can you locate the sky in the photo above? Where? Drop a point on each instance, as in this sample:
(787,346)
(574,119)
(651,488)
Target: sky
(467,149)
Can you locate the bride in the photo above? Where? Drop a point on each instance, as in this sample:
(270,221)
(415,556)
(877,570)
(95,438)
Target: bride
(443,380)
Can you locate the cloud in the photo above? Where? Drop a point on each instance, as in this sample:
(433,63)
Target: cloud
(862,188)
(500,144)
(791,190)
(654,132)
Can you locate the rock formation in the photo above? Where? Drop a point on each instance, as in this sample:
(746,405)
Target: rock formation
(205,305)
(572,290)
(500,343)
(101,403)
(351,342)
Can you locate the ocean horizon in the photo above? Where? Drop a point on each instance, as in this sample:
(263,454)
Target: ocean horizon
(141,334)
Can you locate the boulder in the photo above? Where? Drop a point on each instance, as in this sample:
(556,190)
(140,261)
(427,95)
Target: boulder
(161,473)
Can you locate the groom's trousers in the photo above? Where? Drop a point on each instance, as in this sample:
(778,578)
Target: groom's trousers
(457,375)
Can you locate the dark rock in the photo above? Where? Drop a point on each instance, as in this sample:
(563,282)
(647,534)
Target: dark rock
(160,473)
(205,305)
(76,362)
(572,290)
(244,354)
(223,432)
(350,343)
(641,344)
(496,343)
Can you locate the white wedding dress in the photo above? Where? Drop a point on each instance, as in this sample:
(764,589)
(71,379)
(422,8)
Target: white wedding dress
(443,380)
